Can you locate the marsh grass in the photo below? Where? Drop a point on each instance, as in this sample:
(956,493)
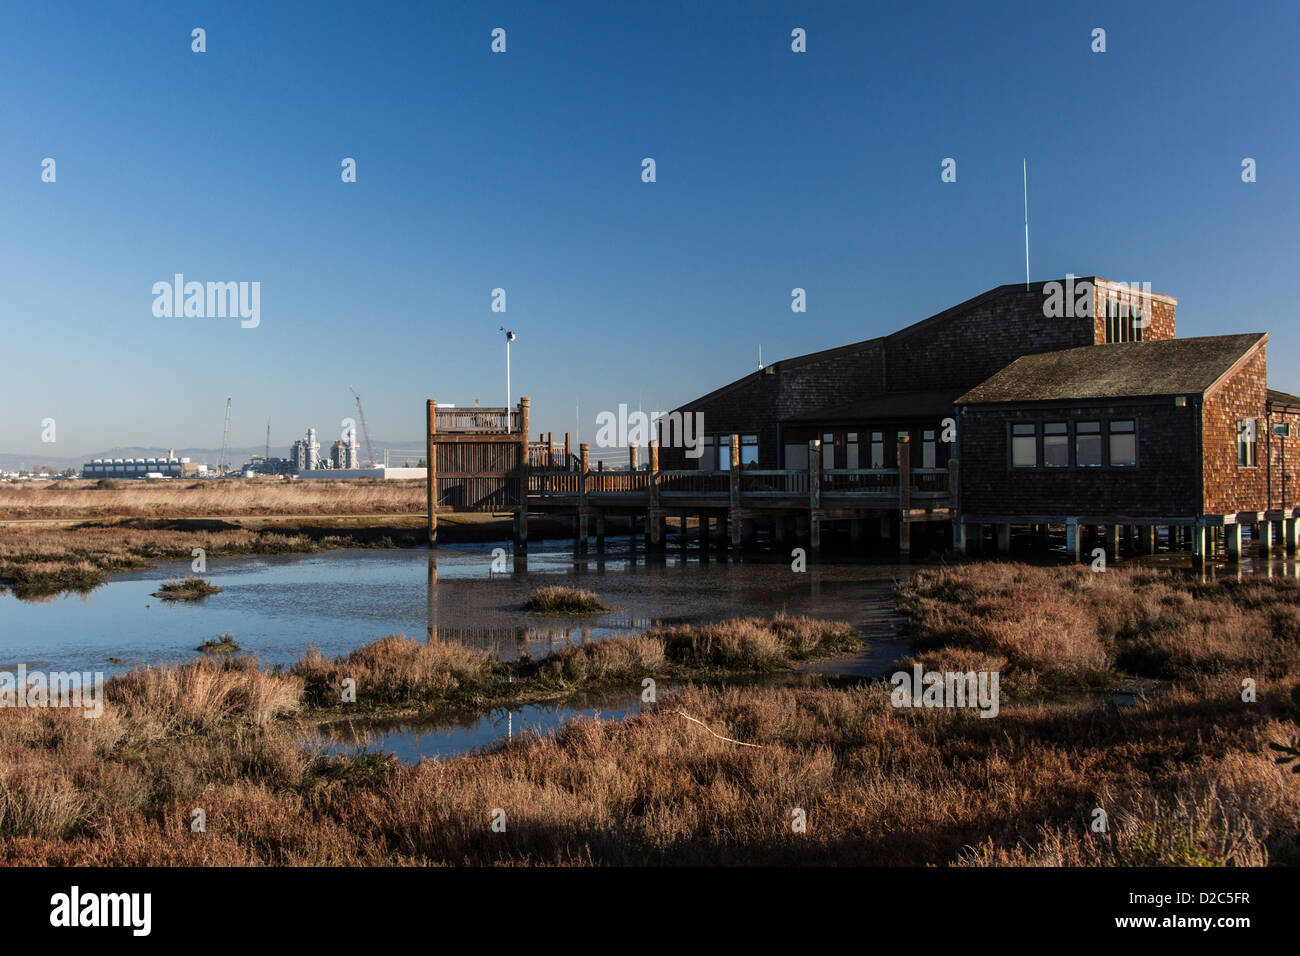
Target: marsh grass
(558,599)
(117,499)
(221,644)
(40,561)
(1057,629)
(1186,778)
(192,588)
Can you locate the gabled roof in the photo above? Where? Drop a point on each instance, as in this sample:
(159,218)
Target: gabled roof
(1131,369)
(840,350)
(884,406)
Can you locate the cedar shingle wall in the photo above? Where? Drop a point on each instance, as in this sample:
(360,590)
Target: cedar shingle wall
(1228,486)
(1161,313)
(1164,484)
(957,352)
(965,349)
(760,401)
(1284,462)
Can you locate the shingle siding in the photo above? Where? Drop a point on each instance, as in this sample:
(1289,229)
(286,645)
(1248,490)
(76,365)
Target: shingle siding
(1163,484)
(1231,487)
(956,349)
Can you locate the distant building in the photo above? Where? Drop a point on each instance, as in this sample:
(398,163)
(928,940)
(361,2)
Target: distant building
(170,467)
(343,454)
(382,472)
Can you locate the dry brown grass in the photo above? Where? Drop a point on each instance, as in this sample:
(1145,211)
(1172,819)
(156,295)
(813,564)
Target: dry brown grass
(397,670)
(183,497)
(1186,778)
(42,560)
(404,674)
(1050,629)
(558,599)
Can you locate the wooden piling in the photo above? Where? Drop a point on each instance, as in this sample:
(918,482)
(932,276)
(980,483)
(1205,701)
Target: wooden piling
(431,473)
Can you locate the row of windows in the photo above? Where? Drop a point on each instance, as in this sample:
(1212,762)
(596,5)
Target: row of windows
(861,450)
(1049,444)
(1124,322)
(717,452)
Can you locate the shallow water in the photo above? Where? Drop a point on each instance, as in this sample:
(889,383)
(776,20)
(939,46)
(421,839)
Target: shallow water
(278,606)
(410,741)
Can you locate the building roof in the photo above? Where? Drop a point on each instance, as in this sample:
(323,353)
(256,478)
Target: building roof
(852,347)
(1130,369)
(884,406)
(1276,397)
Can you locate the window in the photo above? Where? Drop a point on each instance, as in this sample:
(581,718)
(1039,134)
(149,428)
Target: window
(1024,446)
(1123,444)
(877,449)
(828,451)
(1087,444)
(748,450)
(1123,320)
(1056,445)
(927,448)
(796,455)
(851,451)
(1246,443)
(709,459)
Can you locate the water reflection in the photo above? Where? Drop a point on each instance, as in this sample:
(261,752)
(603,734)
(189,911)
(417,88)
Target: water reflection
(411,741)
(278,606)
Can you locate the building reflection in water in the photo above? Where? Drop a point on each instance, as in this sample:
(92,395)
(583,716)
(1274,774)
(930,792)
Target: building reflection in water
(511,642)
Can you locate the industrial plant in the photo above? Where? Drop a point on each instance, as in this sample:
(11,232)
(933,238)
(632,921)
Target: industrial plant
(305,460)
(169,467)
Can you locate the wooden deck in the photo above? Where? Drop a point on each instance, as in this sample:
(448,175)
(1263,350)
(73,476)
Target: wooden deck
(483,460)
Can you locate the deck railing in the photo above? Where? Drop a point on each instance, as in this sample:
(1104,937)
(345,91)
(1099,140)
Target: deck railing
(773,483)
(875,483)
(546,483)
(484,421)
(861,482)
(694,483)
(617,482)
(930,483)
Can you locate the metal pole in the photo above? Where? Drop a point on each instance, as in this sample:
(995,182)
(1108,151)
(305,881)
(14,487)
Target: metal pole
(507,373)
(1026,174)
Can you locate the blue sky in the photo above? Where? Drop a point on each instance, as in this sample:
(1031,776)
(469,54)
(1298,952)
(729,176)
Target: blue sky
(523,171)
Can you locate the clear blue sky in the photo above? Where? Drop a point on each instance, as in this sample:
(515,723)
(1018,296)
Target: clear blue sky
(523,171)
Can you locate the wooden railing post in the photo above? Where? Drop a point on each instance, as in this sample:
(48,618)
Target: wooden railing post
(521,514)
(654,519)
(632,456)
(582,479)
(814,493)
(904,473)
(431,473)
(568,456)
(733,486)
(904,494)
(735,471)
(814,474)
(582,497)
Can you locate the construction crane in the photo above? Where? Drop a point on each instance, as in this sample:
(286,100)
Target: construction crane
(222,464)
(267,456)
(370,454)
